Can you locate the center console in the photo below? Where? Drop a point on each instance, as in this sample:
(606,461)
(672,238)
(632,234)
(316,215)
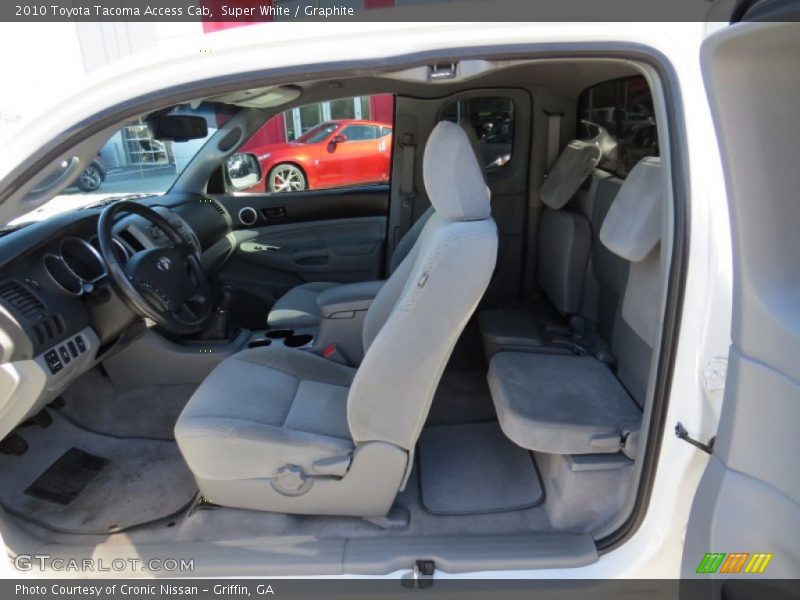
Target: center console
(342,311)
(290,338)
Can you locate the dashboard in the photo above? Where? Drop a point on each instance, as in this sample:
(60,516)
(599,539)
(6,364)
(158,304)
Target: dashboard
(59,312)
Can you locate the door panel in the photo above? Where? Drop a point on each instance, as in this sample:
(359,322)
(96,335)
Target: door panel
(748,500)
(325,235)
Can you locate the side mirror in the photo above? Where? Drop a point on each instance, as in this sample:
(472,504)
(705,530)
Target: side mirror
(244,170)
(339,139)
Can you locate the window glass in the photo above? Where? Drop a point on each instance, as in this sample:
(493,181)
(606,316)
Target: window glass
(344,108)
(624,108)
(296,150)
(492,118)
(132,161)
(356,133)
(317,134)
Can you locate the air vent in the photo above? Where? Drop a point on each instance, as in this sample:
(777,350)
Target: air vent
(48,330)
(21,299)
(217,206)
(133,243)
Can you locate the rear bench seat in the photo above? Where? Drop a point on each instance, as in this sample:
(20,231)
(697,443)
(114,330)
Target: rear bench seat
(565,240)
(568,404)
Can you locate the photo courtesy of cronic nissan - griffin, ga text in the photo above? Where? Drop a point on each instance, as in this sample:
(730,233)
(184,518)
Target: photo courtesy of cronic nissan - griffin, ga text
(430,300)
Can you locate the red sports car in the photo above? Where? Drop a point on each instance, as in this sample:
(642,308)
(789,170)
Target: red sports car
(332,154)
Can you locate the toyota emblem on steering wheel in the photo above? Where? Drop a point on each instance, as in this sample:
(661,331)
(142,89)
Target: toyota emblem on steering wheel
(164,263)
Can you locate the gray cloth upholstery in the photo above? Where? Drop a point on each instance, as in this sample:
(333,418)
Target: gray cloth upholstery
(575,405)
(286,430)
(453,178)
(632,227)
(262,409)
(565,241)
(560,404)
(297,308)
(642,301)
(407,242)
(446,276)
(575,163)
(565,244)
(349,296)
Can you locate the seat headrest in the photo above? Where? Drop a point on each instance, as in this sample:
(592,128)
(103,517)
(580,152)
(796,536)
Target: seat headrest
(575,163)
(632,226)
(453,178)
(472,136)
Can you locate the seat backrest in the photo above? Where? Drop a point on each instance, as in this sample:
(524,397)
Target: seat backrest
(565,236)
(607,273)
(632,230)
(410,238)
(413,323)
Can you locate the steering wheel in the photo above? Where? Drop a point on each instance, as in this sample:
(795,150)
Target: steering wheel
(164,284)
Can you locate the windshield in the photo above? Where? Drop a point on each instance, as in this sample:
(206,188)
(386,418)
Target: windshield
(317,134)
(132,162)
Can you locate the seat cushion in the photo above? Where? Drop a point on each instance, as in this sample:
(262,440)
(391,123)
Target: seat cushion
(297,308)
(262,409)
(560,404)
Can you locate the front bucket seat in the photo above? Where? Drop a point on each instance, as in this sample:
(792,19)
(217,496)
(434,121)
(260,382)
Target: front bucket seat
(286,430)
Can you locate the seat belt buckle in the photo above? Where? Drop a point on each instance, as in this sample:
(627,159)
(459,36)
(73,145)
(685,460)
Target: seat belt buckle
(332,352)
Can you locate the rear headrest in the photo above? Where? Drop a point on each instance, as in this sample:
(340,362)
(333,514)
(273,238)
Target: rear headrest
(632,227)
(453,178)
(570,170)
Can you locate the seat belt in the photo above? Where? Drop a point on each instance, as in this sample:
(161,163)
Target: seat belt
(553,138)
(530,286)
(408,147)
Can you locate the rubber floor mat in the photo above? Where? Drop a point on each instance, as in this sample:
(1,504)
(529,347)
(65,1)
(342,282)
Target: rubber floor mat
(77,481)
(67,477)
(474,468)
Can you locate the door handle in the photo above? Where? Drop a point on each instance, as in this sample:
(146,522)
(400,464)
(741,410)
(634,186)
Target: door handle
(272,213)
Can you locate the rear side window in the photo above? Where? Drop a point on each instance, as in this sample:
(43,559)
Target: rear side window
(624,108)
(493,121)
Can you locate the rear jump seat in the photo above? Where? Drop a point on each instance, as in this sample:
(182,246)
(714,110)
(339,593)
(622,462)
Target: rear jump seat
(567,404)
(565,242)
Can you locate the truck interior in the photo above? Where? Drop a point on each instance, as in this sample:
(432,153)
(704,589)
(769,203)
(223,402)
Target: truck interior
(466,364)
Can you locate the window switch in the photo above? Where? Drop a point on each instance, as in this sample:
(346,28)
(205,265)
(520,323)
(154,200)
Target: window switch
(62,350)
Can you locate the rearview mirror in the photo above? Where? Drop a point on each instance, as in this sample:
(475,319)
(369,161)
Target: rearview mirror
(177,128)
(244,171)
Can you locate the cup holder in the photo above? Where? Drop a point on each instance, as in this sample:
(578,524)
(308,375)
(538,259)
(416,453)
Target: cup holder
(296,341)
(259,343)
(277,334)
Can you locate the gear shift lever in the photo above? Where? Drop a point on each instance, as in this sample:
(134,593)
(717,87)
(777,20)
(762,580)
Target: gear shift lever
(218,328)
